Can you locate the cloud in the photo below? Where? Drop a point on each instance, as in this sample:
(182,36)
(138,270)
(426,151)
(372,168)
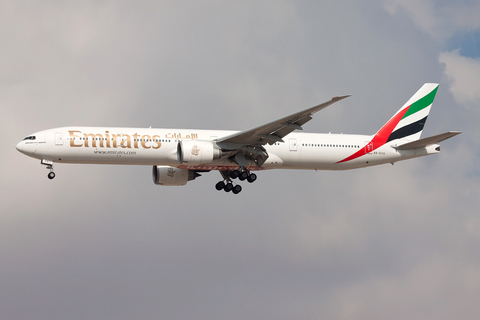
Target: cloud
(464,75)
(434,278)
(439,19)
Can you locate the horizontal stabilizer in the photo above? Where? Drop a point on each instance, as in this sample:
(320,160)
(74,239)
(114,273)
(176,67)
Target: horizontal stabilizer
(422,143)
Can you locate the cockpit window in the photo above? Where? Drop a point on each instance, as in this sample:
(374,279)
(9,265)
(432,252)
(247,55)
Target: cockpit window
(30,138)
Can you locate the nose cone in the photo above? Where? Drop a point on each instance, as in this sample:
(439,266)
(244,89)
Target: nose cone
(21,146)
(26,148)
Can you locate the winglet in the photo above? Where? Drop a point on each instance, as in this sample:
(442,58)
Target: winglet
(341,97)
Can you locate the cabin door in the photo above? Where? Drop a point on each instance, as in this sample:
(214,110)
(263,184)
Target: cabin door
(369,147)
(293,144)
(58,138)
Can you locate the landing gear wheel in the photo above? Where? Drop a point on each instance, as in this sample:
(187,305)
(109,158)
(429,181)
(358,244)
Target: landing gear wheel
(228,187)
(51,175)
(234,174)
(237,189)
(243,175)
(252,177)
(220,185)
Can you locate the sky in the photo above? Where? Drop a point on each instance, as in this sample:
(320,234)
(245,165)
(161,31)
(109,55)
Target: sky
(104,242)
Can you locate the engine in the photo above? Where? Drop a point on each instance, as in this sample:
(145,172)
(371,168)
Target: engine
(197,152)
(171,176)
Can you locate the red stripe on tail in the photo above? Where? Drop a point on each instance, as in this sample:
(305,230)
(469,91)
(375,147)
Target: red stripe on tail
(380,137)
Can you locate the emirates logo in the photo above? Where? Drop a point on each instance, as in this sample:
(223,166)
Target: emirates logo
(170,172)
(195,150)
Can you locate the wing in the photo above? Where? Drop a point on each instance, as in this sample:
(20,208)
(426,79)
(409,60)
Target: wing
(273,131)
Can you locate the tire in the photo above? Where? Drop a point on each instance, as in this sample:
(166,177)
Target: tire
(237,189)
(252,177)
(228,187)
(51,175)
(220,185)
(243,175)
(234,174)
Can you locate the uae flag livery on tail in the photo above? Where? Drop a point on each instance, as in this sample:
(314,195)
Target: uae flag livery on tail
(415,113)
(406,124)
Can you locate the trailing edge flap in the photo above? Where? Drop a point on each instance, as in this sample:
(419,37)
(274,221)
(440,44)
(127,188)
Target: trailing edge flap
(422,143)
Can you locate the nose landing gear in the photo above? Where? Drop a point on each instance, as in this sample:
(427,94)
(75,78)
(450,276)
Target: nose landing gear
(49,165)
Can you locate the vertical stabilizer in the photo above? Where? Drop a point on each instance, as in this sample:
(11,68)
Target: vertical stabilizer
(409,121)
(406,124)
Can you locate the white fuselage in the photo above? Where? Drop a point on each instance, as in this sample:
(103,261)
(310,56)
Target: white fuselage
(148,146)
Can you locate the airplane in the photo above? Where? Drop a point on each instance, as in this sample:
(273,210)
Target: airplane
(181,155)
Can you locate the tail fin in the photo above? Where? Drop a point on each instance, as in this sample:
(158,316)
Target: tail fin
(409,121)
(406,124)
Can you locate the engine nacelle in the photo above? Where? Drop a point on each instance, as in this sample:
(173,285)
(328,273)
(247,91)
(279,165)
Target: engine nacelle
(197,152)
(171,176)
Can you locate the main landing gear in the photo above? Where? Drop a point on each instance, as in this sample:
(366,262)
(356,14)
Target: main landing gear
(227,184)
(227,187)
(49,165)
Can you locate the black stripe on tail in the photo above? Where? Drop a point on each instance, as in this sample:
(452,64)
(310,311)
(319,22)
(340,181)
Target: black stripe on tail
(408,130)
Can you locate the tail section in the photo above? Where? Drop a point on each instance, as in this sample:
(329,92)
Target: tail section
(406,124)
(409,121)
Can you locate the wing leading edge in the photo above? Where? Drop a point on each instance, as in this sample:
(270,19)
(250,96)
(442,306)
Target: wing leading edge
(274,131)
